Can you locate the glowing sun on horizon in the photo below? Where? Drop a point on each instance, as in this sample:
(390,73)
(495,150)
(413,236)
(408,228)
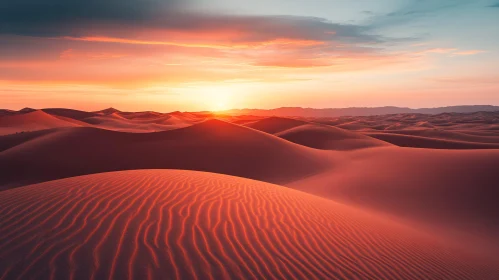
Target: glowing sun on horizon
(217,98)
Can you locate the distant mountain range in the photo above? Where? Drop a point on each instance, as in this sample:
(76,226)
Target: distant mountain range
(278,112)
(359,111)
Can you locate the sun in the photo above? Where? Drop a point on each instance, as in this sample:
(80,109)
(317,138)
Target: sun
(214,97)
(220,106)
(218,98)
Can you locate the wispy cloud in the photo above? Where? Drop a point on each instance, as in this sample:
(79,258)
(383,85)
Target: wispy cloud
(415,10)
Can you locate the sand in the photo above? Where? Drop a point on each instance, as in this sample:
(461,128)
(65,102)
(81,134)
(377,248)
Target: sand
(427,210)
(214,146)
(448,190)
(155,224)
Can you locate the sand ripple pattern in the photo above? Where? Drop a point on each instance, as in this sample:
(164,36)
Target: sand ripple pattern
(171,224)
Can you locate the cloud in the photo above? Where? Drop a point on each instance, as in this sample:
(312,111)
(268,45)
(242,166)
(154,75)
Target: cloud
(415,10)
(130,19)
(142,42)
(450,51)
(310,41)
(468,80)
(469,52)
(47,17)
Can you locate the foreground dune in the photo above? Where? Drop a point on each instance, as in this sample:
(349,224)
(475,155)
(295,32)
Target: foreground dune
(155,224)
(214,146)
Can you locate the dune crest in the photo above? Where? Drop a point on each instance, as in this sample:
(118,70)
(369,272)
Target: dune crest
(314,135)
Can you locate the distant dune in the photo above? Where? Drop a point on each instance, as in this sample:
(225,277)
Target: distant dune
(313,135)
(69,113)
(427,142)
(358,111)
(214,146)
(5,112)
(329,138)
(156,224)
(275,125)
(35,120)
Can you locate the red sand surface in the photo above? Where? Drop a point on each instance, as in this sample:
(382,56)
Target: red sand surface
(168,224)
(385,212)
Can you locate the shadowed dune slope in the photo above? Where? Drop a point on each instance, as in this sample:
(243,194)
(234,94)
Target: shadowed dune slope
(326,137)
(462,136)
(214,146)
(167,224)
(5,112)
(69,113)
(32,121)
(432,143)
(452,190)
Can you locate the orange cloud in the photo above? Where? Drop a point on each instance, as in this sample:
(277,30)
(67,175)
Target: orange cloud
(214,44)
(470,52)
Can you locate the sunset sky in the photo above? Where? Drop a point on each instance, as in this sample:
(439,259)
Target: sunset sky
(167,55)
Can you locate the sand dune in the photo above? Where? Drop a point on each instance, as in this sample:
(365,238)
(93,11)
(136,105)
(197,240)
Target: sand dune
(317,136)
(327,137)
(118,123)
(32,121)
(461,136)
(214,146)
(5,112)
(189,225)
(142,122)
(443,131)
(454,191)
(108,111)
(427,142)
(69,113)
(275,125)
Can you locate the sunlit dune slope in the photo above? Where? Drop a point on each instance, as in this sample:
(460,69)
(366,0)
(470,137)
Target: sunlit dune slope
(455,191)
(156,224)
(36,120)
(214,146)
(326,137)
(274,125)
(432,143)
